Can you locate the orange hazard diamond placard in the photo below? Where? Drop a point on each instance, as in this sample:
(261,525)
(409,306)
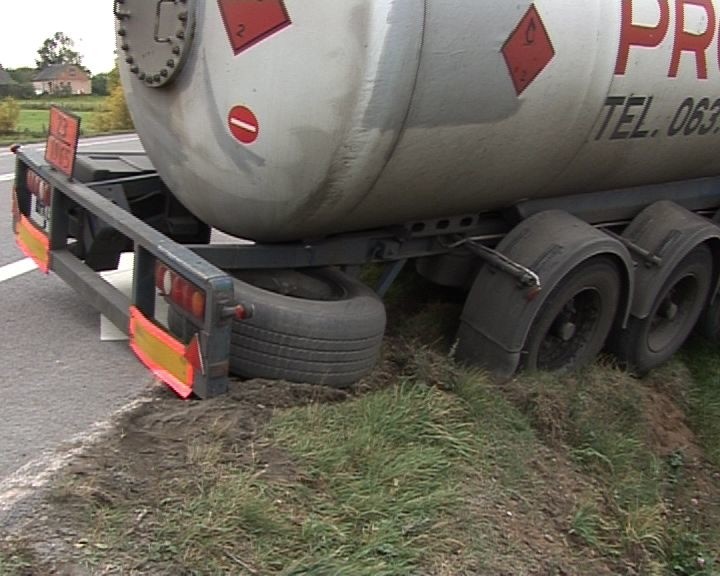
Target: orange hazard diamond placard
(62,140)
(251,21)
(528,50)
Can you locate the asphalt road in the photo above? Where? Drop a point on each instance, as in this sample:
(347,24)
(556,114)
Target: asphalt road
(58,381)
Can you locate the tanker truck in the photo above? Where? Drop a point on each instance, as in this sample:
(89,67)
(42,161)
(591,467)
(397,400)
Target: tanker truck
(554,159)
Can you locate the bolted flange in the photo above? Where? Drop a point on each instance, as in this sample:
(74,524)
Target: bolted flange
(156,37)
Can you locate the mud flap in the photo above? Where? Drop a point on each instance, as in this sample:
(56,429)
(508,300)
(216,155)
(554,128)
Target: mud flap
(499,310)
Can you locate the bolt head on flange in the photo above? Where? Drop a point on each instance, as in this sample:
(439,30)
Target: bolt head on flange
(156,38)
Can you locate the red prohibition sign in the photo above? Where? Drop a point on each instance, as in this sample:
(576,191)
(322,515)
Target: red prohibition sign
(243,124)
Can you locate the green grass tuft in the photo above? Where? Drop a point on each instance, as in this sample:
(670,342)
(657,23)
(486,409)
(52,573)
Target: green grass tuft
(704,402)
(390,469)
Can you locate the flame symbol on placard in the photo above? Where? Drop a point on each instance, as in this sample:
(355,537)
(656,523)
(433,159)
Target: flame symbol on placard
(530,33)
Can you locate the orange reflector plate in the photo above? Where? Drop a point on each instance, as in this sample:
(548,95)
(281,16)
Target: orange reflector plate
(33,243)
(161,353)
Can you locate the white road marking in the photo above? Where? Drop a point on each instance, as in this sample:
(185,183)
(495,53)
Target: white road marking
(83,144)
(16,269)
(243,125)
(41,148)
(109,141)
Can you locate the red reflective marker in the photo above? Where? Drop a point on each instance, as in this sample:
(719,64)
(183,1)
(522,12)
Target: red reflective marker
(243,124)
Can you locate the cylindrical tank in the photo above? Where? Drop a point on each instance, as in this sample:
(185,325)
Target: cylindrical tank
(290,119)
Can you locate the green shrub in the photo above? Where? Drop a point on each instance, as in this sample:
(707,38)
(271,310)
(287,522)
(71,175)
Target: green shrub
(9,115)
(114,114)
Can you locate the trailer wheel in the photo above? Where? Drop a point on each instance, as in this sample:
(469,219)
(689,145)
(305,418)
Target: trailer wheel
(316,327)
(650,341)
(571,327)
(709,323)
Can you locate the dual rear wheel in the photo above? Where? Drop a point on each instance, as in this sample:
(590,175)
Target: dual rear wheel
(581,314)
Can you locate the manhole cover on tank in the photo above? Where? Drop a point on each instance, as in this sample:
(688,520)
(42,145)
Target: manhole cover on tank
(155,37)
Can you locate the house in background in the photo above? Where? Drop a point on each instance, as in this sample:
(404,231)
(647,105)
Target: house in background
(62,79)
(6,82)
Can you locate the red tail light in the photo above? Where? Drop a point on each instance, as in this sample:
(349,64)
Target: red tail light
(160,272)
(39,187)
(177,292)
(197,304)
(182,292)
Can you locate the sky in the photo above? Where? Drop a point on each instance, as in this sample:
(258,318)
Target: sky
(25,24)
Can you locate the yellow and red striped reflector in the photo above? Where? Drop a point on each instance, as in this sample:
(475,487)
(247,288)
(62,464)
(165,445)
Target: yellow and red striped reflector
(164,356)
(34,243)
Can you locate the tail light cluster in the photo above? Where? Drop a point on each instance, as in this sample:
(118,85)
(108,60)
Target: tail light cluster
(180,291)
(39,187)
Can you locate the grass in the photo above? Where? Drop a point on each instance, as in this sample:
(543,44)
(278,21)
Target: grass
(639,512)
(379,487)
(704,401)
(411,477)
(390,467)
(35,122)
(90,103)
(34,116)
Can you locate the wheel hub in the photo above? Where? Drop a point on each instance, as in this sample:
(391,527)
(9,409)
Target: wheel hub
(566,331)
(671,315)
(669,310)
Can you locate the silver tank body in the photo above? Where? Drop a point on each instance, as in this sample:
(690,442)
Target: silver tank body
(379,112)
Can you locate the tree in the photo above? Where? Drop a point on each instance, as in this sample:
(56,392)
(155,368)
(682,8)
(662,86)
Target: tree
(24,88)
(100,84)
(58,49)
(23,75)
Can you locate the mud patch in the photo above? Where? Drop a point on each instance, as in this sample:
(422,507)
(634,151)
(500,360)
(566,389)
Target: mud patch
(166,437)
(668,432)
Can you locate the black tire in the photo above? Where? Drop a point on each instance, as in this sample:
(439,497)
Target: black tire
(648,342)
(573,323)
(709,323)
(315,327)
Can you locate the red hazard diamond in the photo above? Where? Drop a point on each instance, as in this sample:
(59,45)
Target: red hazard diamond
(528,50)
(250,21)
